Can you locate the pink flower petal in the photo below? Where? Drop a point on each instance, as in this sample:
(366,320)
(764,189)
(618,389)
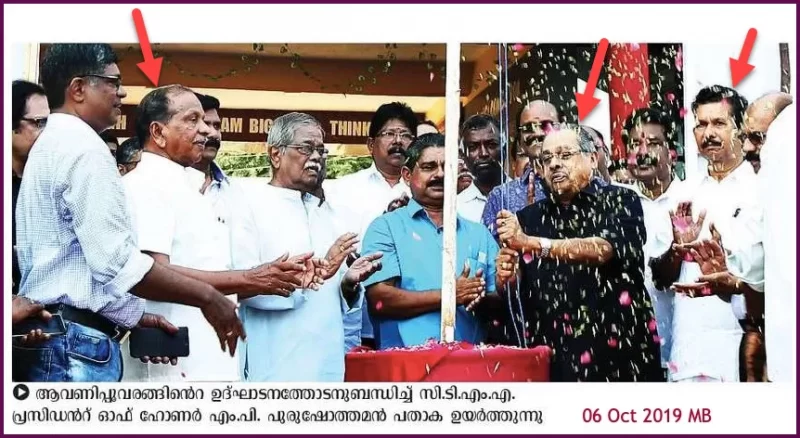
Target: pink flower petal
(518,47)
(672,367)
(379,305)
(586,358)
(496,323)
(657,339)
(566,317)
(679,59)
(527,257)
(625,298)
(568,330)
(652,325)
(612,343)
(673,155)
(682,112)
(670,97)
(688,258)
(706,291)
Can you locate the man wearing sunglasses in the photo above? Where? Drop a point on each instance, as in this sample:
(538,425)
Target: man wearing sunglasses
(77,253)
(28,117)
(760,114)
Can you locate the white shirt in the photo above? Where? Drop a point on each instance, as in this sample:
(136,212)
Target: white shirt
(706,331)
(171,217)
(471,203)
(299,338)
(778,177)
(363,196)
(658,224)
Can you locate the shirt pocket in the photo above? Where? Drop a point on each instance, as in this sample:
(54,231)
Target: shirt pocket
(476,262)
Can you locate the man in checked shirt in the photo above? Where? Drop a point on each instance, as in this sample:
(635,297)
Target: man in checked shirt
(77,253)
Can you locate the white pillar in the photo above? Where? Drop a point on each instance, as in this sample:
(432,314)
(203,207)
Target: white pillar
(453,109)
(25,62)
(708,64)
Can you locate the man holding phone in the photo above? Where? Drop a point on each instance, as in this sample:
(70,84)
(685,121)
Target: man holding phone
(77,254)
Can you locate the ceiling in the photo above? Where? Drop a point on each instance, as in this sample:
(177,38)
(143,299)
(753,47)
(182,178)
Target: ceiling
(401,52)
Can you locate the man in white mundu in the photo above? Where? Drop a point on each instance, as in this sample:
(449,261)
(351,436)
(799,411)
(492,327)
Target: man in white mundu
(706,328)
(299,338)
(177,226)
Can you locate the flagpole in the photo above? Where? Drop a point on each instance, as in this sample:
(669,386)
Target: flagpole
(452,114)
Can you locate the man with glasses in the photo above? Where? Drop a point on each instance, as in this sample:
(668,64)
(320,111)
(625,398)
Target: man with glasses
(299,337)
(366,194)
(534,121)
(77,253)
(582,282)
(28,117)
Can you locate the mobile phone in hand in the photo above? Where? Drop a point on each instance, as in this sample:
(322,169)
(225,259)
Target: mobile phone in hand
(154,342)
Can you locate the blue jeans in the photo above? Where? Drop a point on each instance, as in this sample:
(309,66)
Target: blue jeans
(82,354)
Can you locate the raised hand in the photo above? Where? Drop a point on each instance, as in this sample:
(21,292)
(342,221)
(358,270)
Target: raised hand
(362,268)
(345,245)
(278,277)
(684,228)
(159,322)
(220,312)
(468,290)
(509,230)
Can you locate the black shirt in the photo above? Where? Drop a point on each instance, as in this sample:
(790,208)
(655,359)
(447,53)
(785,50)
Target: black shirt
(597,319)
(15,275)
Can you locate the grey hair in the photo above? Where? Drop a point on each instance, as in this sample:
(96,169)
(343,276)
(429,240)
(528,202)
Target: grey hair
(283,128)
(585,139)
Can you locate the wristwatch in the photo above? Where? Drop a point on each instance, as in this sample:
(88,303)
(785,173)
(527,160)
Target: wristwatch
(546,244)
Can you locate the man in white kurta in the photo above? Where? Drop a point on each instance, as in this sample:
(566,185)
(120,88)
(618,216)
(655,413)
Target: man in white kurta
(299,338)
(171,218)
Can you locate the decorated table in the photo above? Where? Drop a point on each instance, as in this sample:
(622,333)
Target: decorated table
(449,362)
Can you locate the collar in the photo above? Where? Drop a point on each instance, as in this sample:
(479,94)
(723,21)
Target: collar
(217,174)
(162,163)
(414,209)
(374,174)
(292,195)
(472,192)
(743,172)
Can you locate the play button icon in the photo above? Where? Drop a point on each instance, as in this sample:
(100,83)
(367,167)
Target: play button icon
(21,392)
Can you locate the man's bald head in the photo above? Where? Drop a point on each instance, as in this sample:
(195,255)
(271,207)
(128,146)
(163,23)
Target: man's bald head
(759,116)
(568,161)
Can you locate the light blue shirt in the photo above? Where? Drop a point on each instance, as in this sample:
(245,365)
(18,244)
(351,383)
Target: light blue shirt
(74,236)
(412,252)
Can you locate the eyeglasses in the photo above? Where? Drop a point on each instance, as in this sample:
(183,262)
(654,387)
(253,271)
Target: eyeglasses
(39,122)
(405,136)
(757,138)
(308,150)
(546,159)
(116,81)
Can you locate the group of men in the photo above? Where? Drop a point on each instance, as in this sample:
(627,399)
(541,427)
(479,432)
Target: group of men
(623,282)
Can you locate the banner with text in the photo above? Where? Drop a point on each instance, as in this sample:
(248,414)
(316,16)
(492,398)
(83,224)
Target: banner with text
(253,124)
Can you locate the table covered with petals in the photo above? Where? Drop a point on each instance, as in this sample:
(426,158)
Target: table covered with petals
(455,362)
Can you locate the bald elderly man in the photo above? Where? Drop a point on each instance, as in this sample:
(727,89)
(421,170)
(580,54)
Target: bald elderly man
(760,115)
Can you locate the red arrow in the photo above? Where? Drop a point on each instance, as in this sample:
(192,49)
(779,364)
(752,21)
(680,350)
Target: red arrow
(586,100)
(739,67)
(150,67)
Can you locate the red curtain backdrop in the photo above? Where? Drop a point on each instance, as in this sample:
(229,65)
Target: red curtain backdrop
(628,87)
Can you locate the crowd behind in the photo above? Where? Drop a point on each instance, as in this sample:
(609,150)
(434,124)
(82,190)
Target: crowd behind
(624,270)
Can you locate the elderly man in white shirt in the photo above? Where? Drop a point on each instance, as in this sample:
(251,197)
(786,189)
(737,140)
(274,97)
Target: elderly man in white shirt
(176,225)
(299,338)
(706,328)
(480,140)
(365,195)
(648,136)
